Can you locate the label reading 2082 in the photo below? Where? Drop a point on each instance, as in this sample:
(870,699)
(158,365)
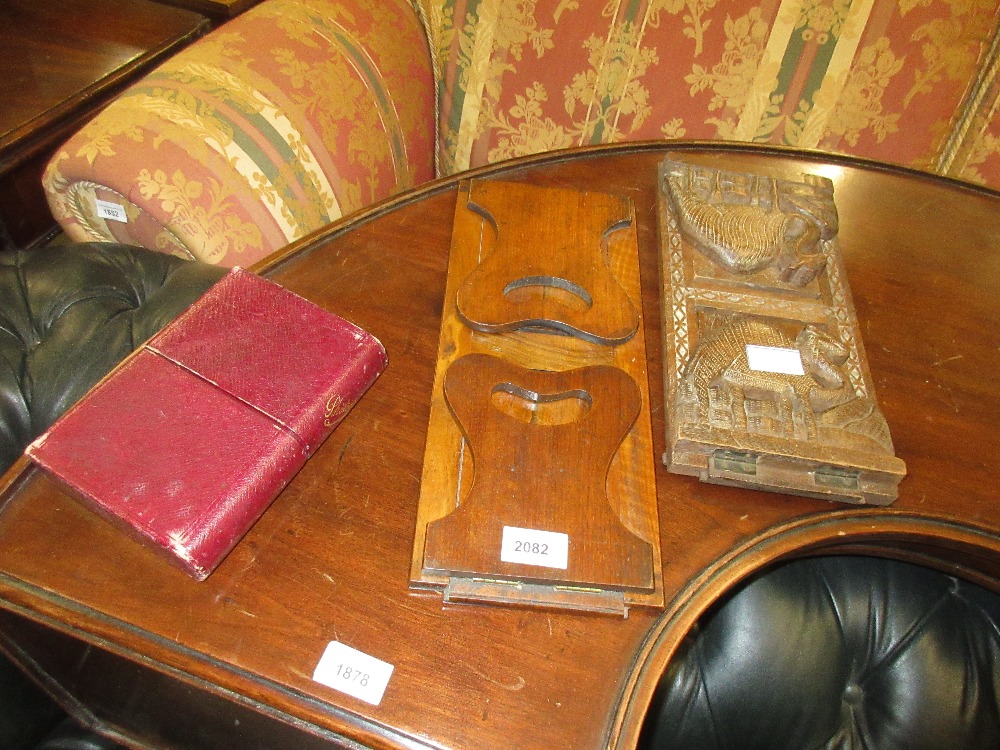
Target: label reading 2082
(534,547)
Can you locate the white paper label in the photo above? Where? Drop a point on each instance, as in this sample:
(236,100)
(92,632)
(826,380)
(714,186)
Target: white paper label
(353,672)
(774,359)
(534,547)
(113,211)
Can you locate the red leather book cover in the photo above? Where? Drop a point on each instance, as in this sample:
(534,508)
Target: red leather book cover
(189,440)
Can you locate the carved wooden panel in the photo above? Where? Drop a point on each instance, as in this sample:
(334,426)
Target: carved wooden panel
(766,375)
(540,433)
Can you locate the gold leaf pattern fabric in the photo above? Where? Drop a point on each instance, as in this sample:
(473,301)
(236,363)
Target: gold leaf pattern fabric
(974,152)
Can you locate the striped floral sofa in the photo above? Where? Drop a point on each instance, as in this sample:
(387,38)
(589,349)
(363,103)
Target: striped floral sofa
(300,111)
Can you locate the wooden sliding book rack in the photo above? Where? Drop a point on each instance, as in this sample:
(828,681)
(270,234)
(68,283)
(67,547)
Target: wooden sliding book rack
(538,484)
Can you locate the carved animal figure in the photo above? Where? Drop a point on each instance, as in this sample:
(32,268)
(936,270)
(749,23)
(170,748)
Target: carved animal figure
(720,363)
(746,237)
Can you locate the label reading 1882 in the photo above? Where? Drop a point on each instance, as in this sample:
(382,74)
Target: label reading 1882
(108,210)
(534,547)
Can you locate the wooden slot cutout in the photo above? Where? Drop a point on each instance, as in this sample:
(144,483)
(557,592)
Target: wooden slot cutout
(551,273)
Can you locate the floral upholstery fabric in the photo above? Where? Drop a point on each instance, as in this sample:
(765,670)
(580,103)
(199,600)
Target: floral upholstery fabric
(892,80)
(293,114)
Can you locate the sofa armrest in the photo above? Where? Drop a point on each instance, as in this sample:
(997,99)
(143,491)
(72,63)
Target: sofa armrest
(284,119)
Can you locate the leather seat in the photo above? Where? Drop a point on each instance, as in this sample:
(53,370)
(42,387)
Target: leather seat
(838,653)
(69,314)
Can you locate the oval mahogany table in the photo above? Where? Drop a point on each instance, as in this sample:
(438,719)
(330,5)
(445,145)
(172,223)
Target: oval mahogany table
(139,649)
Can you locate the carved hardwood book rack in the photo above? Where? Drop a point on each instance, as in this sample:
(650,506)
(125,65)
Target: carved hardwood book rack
(538,485)
(767,382)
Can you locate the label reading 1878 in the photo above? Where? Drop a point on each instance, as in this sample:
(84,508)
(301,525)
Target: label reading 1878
(534,547)
(353,672)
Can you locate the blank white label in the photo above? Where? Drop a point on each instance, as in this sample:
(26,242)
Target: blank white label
(113,211)
(534,547)
(774,359)
(353,672)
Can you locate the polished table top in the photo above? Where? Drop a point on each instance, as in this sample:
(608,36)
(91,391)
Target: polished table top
(219,9)
(330,560)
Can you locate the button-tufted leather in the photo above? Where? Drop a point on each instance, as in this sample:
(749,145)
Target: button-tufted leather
(838,653)
(69,314)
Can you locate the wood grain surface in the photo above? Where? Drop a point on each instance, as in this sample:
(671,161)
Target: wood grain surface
(495,224)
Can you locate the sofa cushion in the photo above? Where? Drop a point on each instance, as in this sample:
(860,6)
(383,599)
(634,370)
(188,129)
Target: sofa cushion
(975,156)
(280,121)
(882,79)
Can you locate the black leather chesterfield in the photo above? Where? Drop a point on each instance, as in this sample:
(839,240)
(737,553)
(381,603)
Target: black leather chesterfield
(70,314)
(835,653)
(838,653)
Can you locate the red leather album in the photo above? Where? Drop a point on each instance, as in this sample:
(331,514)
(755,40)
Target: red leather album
(188,441)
